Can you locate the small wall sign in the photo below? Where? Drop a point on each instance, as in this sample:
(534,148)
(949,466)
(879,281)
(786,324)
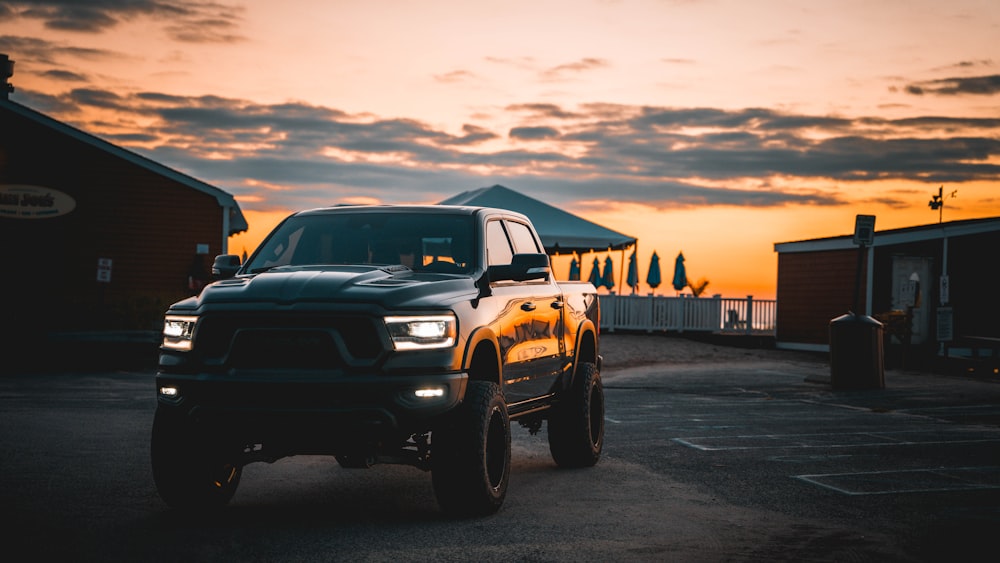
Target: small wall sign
(945,324)
(104,270)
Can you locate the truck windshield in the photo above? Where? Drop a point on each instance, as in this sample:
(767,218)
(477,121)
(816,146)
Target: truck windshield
(420,241)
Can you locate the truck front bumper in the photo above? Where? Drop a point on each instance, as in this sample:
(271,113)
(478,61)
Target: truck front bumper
(311,413)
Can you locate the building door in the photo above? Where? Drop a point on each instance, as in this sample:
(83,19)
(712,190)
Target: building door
(911,287)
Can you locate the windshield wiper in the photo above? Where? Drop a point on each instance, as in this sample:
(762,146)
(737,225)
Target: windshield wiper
(264,269)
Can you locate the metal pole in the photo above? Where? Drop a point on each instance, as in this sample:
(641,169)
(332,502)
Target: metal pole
(857,279)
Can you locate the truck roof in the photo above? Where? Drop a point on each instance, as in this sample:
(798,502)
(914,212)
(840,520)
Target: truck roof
(431,209)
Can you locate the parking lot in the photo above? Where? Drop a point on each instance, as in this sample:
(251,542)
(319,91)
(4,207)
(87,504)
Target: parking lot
(752,460)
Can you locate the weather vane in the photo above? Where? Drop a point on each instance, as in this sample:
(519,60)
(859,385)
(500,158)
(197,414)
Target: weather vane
(937,202)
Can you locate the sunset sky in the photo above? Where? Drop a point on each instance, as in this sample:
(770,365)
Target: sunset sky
(715,128)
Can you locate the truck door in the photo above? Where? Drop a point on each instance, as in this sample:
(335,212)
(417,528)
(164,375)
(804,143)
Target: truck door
(531,319)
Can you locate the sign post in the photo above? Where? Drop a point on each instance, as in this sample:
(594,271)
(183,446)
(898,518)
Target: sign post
(864,235)
(856,346)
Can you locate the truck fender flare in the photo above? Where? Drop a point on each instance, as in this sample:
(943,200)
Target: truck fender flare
(479,336)
(586,331)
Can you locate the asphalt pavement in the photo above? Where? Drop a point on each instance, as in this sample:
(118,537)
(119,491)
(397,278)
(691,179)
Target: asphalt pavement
(756,459)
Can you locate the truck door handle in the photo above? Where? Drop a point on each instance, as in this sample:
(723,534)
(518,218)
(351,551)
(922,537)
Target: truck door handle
(528,306)
(557,304)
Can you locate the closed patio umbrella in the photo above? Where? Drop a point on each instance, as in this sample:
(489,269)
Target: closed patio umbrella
(632,279)
(574,270)
(595,274)
(609,273)
(680,274)
(653,275)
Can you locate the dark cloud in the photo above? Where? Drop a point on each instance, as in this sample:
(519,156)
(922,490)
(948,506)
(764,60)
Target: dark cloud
(56,106)
(47,52)
(544,110)
(974,85)
(197,21)
(127,138)
(473,135)
(65,76)
(533,133)
(205,30)
(95,98)
(662,156)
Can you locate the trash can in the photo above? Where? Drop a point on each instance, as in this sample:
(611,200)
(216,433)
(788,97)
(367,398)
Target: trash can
(856,355)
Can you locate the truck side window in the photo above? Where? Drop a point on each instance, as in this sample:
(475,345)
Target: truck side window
(498,250)
(524,241)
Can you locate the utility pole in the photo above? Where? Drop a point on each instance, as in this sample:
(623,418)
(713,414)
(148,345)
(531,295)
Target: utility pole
(937,202)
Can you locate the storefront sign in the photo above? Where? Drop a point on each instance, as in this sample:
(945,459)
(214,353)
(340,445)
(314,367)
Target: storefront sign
(18,201)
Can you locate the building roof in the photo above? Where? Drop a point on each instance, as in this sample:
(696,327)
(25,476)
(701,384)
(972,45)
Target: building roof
(237,223)
(561,232)
(896,236)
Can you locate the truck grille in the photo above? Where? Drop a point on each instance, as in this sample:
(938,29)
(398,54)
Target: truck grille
(297,349)
(288,341)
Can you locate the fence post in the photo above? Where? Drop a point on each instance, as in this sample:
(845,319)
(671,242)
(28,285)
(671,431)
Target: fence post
(749,327)
(651,313)
(613,309)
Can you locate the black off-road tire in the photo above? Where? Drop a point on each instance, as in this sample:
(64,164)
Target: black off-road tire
(470,453)
(576,422)
(188,474)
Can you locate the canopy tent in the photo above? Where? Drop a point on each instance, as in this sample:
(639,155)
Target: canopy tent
(561,232)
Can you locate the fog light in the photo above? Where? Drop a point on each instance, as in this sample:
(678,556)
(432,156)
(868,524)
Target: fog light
(171,392)
(429,392)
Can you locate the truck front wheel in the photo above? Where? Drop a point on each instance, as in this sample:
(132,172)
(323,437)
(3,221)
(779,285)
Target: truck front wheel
(470,453)
(576,422)
(187,471)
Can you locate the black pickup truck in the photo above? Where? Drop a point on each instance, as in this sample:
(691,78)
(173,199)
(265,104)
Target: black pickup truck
(379,334)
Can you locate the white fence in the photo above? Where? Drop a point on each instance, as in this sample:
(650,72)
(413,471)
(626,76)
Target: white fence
(686,313)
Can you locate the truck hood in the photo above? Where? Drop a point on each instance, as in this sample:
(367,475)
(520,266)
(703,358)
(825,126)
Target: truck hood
(388,287)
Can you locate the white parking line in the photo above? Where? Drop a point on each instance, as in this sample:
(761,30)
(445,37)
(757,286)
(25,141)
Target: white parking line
(938,479)
(836,440)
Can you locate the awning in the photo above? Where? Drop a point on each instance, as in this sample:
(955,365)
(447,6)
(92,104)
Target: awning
(561,232)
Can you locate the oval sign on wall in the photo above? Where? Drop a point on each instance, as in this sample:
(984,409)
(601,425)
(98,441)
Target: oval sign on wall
(18,201)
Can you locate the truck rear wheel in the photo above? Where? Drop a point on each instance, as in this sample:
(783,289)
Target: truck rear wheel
(576,423)
(470,453)
(188,472)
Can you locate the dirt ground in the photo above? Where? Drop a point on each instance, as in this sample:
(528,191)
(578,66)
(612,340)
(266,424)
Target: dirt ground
(624,350)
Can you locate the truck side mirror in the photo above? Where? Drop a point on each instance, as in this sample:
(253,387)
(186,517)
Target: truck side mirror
(225,266)
(523,267)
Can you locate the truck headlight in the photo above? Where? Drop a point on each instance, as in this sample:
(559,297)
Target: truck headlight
(420,332)
(178,331)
